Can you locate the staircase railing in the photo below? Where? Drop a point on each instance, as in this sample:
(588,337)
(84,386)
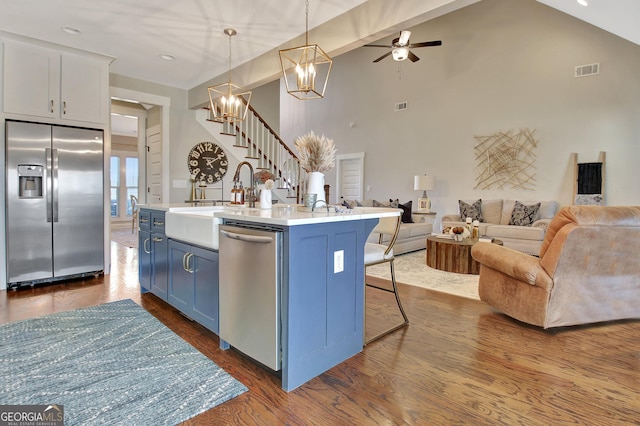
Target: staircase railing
(269,150)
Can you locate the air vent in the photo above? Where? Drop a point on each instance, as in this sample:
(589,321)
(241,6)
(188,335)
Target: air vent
(585,70)
(401,106)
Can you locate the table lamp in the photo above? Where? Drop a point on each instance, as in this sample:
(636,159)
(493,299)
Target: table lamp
(424,183)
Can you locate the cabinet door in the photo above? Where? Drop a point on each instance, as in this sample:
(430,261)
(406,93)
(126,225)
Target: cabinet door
(180,291)
(159,267)
(193,283)
(31,80)
(144,260)
(205,289)
(84,88)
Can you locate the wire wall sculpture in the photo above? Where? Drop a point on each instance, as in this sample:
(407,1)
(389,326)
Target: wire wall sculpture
(506,158)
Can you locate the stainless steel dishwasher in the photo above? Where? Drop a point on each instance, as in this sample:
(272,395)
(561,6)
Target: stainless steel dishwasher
(250,276)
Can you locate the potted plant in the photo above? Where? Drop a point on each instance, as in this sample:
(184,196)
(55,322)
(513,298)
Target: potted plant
(317,155)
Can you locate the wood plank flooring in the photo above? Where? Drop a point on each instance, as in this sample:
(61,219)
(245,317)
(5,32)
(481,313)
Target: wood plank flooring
(459,362)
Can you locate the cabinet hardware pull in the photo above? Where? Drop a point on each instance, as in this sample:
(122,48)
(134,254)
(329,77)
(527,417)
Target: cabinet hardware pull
(144,245)
(52,106)
(186,260)
(144,220)
(157,239)
(64,108)
(158,223)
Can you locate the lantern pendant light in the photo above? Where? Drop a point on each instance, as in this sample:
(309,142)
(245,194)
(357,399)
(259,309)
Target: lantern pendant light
(226,100)
(306,69)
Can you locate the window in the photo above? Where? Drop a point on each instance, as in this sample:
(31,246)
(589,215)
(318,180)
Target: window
(131,179)
(115,186)
(124,184)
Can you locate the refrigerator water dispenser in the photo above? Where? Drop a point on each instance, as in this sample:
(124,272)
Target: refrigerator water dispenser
(30,180)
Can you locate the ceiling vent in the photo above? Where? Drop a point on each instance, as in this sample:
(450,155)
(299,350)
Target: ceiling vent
(401,106)
(586,70)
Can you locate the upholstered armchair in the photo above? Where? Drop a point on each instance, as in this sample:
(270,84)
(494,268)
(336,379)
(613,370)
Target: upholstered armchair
(588,270)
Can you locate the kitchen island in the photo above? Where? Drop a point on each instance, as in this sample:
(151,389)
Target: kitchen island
(320,291)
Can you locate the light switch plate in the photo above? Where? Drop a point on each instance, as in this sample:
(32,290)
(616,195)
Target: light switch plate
(338,261)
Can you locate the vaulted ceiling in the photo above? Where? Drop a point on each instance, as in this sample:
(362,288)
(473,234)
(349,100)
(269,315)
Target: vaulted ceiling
(137,32)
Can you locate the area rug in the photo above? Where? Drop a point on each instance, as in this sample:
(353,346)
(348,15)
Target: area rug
(125,237)
(411,268)
(109,364)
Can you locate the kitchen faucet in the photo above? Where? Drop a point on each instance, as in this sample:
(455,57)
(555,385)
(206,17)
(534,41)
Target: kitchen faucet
(251,192)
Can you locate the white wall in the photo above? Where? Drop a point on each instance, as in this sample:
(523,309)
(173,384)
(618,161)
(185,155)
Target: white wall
(503,65)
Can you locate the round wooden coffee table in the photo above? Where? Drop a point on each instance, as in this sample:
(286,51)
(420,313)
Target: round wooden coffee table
(453,256)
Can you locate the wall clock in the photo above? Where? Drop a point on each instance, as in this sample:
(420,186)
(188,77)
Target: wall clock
(207,162)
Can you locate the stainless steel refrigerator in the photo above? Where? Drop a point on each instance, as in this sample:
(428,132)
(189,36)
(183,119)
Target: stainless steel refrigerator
(54,202)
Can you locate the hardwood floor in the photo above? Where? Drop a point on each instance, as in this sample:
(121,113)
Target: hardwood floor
(458,362)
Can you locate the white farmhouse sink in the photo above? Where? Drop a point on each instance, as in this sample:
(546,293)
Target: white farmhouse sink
(195,225)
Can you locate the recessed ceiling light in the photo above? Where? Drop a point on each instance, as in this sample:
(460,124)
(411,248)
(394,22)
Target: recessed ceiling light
(167,57)
(583,2)
(71,30)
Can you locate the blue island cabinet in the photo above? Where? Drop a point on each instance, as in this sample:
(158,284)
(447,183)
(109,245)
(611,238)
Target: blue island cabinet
(152,253)
(193,283)
(322,309)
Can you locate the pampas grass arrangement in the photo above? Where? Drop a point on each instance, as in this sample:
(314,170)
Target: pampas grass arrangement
(316,154)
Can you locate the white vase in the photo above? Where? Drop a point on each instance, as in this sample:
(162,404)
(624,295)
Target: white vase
(265,199)
(315,185)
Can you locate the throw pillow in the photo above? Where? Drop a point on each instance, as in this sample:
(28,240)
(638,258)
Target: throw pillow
(349,203)
(391,204)
(523,215)
(406,212)
(474,211)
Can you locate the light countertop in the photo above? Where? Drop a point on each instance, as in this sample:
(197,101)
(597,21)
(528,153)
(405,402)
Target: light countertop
(279,214)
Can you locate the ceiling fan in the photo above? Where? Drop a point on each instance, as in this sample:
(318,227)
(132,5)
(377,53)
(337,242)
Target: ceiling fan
(400,47)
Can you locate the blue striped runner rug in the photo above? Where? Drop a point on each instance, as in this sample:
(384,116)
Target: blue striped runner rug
(109,364)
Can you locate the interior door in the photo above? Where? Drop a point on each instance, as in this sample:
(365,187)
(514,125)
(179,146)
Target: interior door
(154,165)
(350,177)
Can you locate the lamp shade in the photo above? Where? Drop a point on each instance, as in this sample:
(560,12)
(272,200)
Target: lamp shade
(424,183)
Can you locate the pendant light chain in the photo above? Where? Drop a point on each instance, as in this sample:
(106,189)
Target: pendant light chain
(306,32)
(229,73)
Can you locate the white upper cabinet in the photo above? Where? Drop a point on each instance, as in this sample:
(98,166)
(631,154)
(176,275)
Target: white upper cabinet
(43,82)
(31,80)
(84,85)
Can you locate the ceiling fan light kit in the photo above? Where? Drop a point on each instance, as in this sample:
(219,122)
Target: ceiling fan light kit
(306,69)
(400,48)
(400,53)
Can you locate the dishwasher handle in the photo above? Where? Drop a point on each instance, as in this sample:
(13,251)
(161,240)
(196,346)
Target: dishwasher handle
(247,238)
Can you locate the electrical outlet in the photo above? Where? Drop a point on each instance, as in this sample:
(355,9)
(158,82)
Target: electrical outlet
(338,261)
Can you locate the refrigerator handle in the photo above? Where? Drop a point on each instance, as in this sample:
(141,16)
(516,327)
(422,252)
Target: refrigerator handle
(47,154)
(54,187)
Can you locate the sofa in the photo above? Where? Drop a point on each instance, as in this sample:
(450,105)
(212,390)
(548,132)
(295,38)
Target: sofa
(521,225)
(413,229)
(587,271)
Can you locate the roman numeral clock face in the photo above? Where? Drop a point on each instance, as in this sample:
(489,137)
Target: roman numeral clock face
(208,162)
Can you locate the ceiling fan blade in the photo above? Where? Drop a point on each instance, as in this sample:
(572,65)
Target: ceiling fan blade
(426,44)
(413,57)
(404,37)
(383,56)
(378,45)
